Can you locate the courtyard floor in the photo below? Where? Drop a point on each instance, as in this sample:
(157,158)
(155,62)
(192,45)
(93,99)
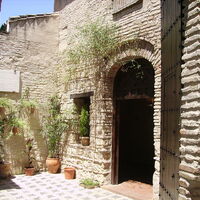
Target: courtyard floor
(45,186)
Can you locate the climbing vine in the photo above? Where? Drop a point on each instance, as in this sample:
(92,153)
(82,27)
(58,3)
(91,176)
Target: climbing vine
(96,42)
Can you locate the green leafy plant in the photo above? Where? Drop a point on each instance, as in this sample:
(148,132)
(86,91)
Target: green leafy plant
(96,42)
(29,103)
(89,183)
(3,28)
(133,65)
(84,123)
(55,126)
(4,102)
(16,122)
(26,102)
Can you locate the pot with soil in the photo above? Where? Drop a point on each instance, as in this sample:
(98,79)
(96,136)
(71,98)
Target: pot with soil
(69,172)
(5,170)
(29,171)
(53,164)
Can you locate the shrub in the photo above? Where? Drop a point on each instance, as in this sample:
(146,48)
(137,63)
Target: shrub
(84,123)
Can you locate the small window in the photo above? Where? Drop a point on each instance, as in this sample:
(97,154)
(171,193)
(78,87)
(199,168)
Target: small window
(119,5)
(82,102)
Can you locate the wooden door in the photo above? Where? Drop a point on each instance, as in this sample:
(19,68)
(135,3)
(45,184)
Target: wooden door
(171,95)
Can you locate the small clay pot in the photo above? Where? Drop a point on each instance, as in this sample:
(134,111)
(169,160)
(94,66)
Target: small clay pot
(5,170)
(85,141)
(29,171)
(15,130)
(69,172)
(53,164)
(32,110)
(2,110)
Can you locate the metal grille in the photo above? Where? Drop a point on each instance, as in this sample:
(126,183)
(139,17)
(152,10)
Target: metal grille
(171,95)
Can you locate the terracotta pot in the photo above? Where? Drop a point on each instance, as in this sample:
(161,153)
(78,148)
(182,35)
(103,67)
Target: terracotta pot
(15,130)
(2,109)
(5,170)
(32,110)
(69,172)
(29,171)
(85,141)
(53,164)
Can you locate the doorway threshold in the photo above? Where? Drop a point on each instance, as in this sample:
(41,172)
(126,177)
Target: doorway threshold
(132,189)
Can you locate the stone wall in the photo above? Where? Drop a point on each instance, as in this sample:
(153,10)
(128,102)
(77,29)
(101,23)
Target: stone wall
(190,114)
(30,47)
(140,22)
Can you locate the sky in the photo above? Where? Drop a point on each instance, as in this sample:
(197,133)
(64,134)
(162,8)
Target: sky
(10,8)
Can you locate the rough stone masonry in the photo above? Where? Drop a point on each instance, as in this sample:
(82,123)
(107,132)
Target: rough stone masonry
(35,45)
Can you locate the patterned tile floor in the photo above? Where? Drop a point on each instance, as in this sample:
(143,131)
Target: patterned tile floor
(45,186)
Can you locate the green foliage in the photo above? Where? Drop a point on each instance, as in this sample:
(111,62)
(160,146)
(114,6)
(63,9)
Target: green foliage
(84,123)
(134,66)
(28,103)
(25,102)
(96,42)
(14,121)
(3,28)
(89,183)
(55,126)
(4,102)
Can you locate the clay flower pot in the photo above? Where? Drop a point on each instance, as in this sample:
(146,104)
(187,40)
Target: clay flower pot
(32,110)
(15,130)
(53,164)
(85,141)
(69,172)
(5,170)
(29,171)
(2,109)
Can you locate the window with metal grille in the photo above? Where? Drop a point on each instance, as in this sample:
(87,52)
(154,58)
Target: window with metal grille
(119,5)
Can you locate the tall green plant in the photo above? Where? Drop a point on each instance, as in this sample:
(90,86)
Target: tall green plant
(96,42)
(55,126)
(5,102)
(84,123)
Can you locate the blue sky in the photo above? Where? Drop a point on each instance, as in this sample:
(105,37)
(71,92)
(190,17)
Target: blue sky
(23,7)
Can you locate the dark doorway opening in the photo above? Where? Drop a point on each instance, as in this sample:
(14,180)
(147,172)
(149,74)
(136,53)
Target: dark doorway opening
(133,142)
(136,141)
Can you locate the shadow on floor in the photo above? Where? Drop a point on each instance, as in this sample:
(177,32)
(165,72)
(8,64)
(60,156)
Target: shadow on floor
(6,184)
(132,189)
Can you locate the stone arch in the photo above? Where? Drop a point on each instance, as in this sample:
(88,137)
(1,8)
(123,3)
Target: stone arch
(134,49)
(130,50)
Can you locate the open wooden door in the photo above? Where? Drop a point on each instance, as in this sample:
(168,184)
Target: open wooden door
(171,96)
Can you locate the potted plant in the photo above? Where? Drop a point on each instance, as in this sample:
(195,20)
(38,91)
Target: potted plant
(84,128)
(15,123)
(29,104)
(89,183)
(4,103)
(29,169)
(55,126)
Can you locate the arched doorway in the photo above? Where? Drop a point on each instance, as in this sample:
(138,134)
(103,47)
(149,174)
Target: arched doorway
(133,148)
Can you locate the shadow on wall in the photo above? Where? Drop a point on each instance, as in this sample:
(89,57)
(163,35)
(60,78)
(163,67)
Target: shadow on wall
(36,131)
(16,146)
(60,4)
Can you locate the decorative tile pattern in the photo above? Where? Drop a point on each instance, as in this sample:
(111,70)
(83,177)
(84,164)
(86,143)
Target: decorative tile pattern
(47,186)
